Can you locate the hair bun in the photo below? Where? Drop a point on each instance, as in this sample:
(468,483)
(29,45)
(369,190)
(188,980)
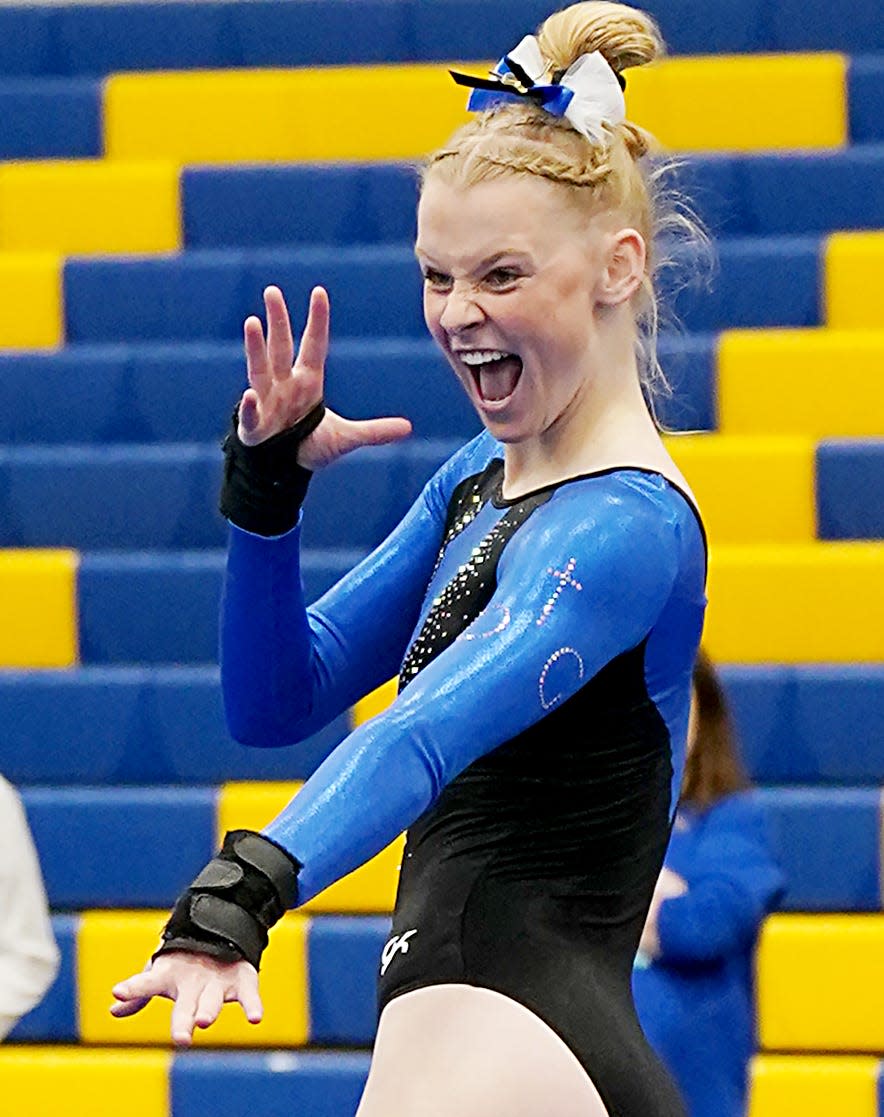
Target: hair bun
(624,36)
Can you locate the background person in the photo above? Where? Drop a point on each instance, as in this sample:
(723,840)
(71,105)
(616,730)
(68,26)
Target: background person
(29,955)
(693,979)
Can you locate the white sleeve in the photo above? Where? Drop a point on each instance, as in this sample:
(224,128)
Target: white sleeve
(28,952)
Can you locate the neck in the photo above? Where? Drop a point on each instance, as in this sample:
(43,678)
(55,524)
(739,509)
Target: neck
(606,424)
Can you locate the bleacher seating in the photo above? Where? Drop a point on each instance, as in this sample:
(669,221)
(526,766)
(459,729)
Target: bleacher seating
(163,162)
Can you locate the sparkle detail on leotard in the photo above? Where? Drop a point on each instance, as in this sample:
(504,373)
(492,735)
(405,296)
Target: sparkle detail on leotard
(546,702)
(470,589)
(565,579)
(499,627)
(471,504)
(455,607)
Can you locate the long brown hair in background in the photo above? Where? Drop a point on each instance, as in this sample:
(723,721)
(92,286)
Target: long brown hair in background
(714,768)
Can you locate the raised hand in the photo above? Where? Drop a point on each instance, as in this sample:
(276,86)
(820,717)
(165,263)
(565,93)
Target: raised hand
(198,984)
(281,393)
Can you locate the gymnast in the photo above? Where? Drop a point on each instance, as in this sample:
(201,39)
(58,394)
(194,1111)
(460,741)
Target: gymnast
(541,604)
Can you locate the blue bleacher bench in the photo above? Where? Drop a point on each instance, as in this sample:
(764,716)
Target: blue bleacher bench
(100,726)
(98,39)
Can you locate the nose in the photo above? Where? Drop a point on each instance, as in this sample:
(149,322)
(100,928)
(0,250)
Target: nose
(461,311)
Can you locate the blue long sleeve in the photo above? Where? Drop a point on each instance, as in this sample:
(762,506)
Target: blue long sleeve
(287,670)
(620,538)
(733,882)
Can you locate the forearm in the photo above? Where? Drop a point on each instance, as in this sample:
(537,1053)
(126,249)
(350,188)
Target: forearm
(712,919)
(371,788)
(271,675)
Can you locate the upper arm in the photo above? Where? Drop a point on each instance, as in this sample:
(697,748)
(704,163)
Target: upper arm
(366,619)
(582,582)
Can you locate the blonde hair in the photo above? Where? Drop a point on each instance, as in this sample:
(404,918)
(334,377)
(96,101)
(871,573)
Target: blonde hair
(525,139)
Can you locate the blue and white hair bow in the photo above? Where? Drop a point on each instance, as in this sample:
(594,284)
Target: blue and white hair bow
(587,94)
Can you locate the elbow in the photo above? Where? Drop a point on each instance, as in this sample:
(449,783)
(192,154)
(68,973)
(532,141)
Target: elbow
(701,937)
(258,729)
(259,717)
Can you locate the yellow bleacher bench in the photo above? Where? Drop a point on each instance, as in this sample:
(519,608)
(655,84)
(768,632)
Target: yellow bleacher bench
(820,383)
(31,294)
(796,603)
(821,983)
(742,102)
(854,280)
(750,489)
(90,206)
(79,1082)
(38,603)
(814,1086)
(404,111)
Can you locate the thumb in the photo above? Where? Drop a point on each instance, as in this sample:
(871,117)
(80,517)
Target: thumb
(129,1008)
(373,432)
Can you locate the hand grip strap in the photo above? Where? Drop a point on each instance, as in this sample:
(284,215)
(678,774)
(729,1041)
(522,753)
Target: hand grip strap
(263,486)
(235,900)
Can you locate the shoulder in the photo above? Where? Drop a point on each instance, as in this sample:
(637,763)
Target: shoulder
(465,462)
(620,513)
(741,814)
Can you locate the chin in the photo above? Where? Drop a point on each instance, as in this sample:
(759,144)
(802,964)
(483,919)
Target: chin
(508,431)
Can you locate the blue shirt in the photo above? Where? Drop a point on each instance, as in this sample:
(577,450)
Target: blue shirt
(695,1001)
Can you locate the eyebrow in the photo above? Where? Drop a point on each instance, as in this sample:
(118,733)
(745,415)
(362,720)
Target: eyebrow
(488,262)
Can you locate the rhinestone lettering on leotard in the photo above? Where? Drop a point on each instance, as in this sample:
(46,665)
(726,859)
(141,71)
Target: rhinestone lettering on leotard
(504,621)
(565,579)
(558,656)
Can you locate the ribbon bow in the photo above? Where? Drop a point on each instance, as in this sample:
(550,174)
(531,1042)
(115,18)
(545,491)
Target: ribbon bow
(587,93)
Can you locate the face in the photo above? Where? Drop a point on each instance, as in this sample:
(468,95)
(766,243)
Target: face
(512,288)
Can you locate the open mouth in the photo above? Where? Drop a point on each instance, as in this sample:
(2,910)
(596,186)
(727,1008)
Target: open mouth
(494,373)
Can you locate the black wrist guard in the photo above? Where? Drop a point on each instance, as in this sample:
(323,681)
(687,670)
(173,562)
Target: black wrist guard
(235,900)
(264,487)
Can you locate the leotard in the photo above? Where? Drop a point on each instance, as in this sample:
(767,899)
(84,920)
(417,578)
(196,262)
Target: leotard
(545,648)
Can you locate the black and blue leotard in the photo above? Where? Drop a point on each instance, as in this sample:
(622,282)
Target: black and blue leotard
(544,647)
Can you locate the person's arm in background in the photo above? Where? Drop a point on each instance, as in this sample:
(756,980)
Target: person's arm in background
(28,953)
(731,886)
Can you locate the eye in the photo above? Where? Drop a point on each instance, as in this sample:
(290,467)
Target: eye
(502,277)
(437,279)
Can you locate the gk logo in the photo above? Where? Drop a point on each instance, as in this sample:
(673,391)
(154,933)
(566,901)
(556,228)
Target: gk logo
(397,944)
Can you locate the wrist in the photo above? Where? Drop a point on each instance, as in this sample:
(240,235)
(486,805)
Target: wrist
(229,909)
(264,486)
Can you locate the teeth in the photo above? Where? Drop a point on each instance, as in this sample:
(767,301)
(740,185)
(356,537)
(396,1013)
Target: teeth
(473,358)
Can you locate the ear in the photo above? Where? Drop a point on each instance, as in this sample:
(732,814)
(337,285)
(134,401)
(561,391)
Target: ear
(624,267)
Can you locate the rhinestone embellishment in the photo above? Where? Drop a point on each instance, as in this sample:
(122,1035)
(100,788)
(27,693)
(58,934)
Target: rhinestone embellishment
(561,654)
(565,579)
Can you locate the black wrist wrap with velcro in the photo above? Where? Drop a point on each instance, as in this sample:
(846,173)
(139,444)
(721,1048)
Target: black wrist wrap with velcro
(263,486)
(235,900)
